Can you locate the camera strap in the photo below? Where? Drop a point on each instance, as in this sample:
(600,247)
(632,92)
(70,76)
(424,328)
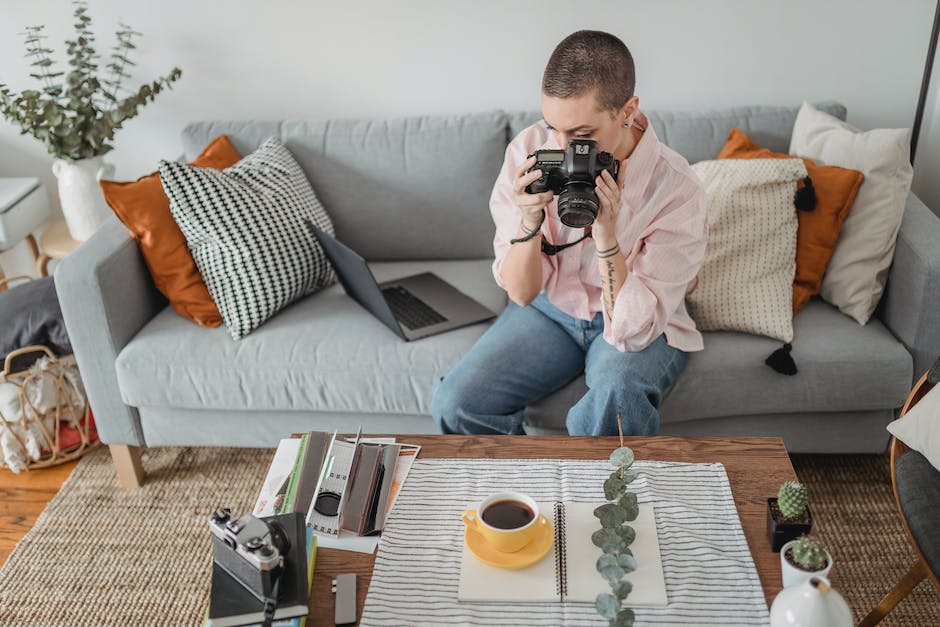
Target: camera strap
(554,249)
(270,603)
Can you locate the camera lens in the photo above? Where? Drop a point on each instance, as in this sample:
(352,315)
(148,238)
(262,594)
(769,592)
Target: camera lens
(577,204)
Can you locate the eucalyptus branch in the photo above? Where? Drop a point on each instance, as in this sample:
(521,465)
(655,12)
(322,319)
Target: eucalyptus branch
(77,119)
(615,537)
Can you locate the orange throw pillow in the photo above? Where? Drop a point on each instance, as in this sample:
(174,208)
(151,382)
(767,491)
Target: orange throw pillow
(818,229)
(144,209)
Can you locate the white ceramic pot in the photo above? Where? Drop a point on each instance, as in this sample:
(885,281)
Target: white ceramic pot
(82,201)
(812,603)
(793,575)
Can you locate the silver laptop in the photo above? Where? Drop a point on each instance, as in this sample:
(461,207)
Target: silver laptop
(413,307)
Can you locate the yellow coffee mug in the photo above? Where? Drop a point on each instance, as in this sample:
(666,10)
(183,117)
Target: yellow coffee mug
(507,510)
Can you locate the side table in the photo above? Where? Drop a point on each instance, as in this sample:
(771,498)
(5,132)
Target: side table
(56,243)
(24,207)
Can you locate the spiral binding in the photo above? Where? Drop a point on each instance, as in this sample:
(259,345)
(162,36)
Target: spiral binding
(561,553)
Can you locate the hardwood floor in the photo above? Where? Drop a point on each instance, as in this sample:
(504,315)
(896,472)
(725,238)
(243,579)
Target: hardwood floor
(22,499)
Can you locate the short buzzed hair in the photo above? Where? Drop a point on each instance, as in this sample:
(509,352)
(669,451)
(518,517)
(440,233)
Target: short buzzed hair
(591,60)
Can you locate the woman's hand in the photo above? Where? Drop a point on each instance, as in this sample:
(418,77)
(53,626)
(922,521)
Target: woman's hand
(608,193)
(531,205)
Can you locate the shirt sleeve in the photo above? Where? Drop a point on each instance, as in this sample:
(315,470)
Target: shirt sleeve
(667,260)
(506,215)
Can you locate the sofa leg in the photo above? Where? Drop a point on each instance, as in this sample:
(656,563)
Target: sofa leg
(126,458)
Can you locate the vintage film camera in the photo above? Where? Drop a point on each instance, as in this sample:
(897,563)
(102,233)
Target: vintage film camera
(251,550)
(571,173)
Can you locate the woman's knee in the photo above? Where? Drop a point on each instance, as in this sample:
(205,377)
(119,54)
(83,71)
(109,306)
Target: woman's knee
(446,403)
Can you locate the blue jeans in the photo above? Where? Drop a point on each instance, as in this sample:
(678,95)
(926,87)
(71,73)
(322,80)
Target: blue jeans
(530,352)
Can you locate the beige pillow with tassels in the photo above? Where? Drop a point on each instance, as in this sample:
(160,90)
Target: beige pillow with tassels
(746,281)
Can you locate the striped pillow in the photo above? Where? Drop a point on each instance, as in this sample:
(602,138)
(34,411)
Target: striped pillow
(245,228)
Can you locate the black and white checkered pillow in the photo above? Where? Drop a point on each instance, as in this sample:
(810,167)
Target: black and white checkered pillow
(245,228)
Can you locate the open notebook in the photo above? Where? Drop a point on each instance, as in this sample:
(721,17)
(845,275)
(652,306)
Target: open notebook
(568,573)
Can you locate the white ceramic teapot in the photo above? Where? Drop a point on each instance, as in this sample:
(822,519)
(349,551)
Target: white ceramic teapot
(812,603)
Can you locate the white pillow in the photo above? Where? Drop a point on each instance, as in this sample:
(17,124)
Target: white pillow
(919,428)
(746,281)
(855,277)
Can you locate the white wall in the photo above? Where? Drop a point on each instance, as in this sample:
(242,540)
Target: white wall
(295,59)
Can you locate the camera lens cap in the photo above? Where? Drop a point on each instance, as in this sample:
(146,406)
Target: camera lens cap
(327,503)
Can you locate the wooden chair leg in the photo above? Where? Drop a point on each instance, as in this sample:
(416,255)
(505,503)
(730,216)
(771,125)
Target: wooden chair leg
(126,458)
(901,589)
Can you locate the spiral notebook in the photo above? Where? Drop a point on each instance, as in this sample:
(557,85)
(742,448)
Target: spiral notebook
(568,572)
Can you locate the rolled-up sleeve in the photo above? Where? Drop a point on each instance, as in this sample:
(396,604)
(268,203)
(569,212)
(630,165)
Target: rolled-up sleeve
(661,269)
(506,215)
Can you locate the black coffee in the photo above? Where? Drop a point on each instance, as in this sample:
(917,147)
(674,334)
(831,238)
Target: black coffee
(507,515)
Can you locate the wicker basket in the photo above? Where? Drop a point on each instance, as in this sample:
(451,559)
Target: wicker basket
(70,402)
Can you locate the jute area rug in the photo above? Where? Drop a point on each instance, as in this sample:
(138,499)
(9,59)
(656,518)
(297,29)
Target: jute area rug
(100,555)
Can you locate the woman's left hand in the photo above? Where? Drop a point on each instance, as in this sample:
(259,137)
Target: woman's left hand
(608,193)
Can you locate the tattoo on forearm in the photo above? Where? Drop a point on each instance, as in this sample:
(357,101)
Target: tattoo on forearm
(611,297)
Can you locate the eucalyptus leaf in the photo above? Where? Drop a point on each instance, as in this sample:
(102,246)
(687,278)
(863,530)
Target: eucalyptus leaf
(614,487)
(622,456)
(606,560)
(608,540)
(624,618)
(626,562)
(621,589)
(610,515)
(628,505)
(607,605)
(612,574)
(626,533)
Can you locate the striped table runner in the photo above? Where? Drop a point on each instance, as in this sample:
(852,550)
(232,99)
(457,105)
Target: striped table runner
(710,575)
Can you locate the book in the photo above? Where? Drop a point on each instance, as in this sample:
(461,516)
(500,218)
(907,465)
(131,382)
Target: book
(370,479)
(568,571)
(231,604)
(274,489)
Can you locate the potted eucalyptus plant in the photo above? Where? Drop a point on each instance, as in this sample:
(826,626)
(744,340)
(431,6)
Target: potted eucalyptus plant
(75,114)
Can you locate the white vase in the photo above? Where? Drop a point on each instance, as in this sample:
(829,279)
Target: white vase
(812,603)
(83,203)
(793,575)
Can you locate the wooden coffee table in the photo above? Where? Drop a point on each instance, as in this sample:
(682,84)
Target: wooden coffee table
(756,467)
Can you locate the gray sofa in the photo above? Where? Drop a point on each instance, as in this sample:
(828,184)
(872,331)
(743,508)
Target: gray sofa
(411,195)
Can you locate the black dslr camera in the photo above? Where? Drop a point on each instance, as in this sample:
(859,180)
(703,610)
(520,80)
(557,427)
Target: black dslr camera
(571,174)
(251,550)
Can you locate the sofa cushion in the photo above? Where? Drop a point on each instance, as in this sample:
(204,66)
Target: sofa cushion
(246,228)
(858,268)
(323,353)
(746,281)
(144,208)
(843,367)
(700,135)
(819,226)
(396,189)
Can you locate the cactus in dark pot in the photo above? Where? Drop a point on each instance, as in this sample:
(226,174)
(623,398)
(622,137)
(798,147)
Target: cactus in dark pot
(791,499)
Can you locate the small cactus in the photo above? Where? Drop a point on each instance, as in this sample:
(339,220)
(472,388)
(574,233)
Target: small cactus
(808,553)
(791,499)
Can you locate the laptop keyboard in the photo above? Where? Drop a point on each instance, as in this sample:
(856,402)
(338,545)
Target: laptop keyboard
(410,311)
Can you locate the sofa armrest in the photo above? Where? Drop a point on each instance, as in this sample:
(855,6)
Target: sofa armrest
(107,295)
(910,307)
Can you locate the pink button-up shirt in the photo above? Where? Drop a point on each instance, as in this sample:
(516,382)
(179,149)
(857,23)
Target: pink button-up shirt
(662,229)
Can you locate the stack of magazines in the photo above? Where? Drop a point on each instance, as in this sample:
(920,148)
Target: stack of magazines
(345,488)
